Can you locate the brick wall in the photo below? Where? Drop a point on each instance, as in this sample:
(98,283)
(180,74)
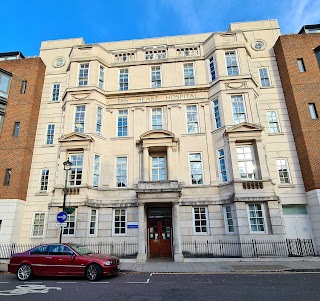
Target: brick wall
(301,88)
(16,152)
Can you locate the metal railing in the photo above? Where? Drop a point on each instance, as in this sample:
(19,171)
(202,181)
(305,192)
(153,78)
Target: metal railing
(249,248)
(119,249)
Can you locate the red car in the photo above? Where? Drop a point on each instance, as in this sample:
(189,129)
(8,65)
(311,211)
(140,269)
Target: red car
(62,260)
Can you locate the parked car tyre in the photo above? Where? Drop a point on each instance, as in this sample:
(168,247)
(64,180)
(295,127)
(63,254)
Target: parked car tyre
(93,272)
(24,272)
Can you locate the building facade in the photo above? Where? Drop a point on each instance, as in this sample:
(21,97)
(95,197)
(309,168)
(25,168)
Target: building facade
(21,81)
(171,140)
(298,58)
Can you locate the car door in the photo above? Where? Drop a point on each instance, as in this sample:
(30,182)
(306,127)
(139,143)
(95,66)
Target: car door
(59,261)
(37,259)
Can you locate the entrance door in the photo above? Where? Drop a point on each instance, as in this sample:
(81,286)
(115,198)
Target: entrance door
(160,236)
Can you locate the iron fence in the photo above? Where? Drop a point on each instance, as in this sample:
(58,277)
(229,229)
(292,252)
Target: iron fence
(249,248)
(122,250)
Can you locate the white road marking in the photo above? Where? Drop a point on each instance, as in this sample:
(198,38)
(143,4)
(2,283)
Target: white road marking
(67,282)
(28,289)
(100,282)
(139,282)
(4,282)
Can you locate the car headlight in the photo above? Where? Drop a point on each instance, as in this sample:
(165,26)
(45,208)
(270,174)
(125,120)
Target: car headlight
(109,262)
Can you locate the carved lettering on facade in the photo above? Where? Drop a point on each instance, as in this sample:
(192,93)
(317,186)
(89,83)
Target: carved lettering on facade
(152,98)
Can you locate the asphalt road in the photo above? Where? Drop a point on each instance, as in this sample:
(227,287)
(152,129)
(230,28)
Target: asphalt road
(166,287)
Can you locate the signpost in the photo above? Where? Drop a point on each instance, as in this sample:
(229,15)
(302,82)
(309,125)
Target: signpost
(62,217)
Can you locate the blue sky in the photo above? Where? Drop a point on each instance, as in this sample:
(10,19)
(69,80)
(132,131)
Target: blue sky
(26,23)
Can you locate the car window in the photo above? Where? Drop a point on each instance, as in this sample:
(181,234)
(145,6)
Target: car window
(39,250)
(82,250)
(59,250)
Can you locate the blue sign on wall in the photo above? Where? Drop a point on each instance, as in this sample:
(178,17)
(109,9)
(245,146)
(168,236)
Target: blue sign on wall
(132,225)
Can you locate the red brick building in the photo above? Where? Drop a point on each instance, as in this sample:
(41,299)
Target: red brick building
(298,59)
(21,83)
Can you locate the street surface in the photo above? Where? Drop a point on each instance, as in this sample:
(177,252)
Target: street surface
(136,286)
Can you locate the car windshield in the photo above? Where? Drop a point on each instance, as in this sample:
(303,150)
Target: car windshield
(82,250)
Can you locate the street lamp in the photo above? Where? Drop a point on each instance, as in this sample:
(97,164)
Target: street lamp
(66,166)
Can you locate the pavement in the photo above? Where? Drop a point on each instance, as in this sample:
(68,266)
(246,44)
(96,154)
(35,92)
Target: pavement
(216,265)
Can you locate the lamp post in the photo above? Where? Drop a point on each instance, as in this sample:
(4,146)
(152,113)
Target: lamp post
(66,166)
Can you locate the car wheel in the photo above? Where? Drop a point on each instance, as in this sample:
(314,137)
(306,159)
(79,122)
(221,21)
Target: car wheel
(24,272)
(94,272)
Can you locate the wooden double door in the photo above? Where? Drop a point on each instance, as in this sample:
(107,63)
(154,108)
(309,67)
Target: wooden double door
(160,236)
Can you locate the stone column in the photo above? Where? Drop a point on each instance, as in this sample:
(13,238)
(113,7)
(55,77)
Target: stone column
(142,251)
(169,163)
(145,164)
(177,234)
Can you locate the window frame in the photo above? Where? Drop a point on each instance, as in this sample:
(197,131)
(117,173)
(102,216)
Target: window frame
(192,122)
(313,111)
(236,67)
(33,225)
(288,171)
(16,129)
(206,219)
(69,221)
(7,177)
(5,93)
(24,87)
(83,78)
(254,162)
(51,134)
(262,79)
(265,231)
(188,78)
(122,127)
(216,104)
(157,80)
(114,221)
(273,122)
(75,167)
(221,171)
(99,120)
(79,119)
(154,125)
(211,62)
(158,168)
(191,168)
(96,170)
(96,222)
(120,175)
(123,83)
(55,92)
(101,78)
(301,65)
(44,178)
(243,113)
(227,218)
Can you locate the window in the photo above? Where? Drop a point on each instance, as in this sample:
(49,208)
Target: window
(101,77)
(69,230)
(79,118)
(121,172)
(222,165)
(124,57)
(232,64)
(192,119)
(264,77)
(188,74)
(99,121)
(124,79)
(238,109)
(93,222)
(246,162)
(156,77)
(1,121)
(4,85)
(75,173)
(23,87)
(200,215)
(156,54)
(16,129)
(212,69)
(313,111)
(96,171)
(273,122)
(50,133)
(38,224)
(158,169)
(317,53)
(196,169)
(228,219)
(83,74)
(283,171)
(7,176)
(119,218)
(122,123)
(188,51)
(156,118)
(44,180)
(256,218)
(301,66)
(55,92)
(216,112)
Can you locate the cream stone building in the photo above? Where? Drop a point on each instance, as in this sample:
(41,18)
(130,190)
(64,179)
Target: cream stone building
(171,140)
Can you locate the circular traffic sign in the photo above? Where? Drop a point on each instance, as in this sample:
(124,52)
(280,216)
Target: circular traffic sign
(62,217)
